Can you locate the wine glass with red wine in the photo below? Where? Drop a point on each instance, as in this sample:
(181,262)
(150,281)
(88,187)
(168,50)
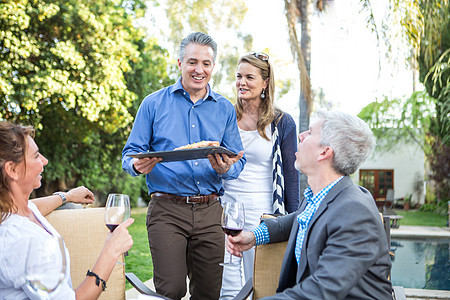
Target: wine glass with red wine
(117,210)
(232,222)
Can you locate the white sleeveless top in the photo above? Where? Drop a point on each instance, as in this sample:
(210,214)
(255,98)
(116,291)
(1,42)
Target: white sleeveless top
(257,174)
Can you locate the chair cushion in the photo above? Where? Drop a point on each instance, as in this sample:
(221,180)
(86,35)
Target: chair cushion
(266,274)
(84,233)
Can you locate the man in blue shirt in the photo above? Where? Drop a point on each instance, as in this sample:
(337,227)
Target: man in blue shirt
(183,219)
(337,247)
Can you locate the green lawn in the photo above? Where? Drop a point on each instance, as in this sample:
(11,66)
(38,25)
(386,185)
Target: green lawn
(421,218)
(139,259)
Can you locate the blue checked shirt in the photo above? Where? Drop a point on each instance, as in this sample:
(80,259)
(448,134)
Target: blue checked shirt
(303,219)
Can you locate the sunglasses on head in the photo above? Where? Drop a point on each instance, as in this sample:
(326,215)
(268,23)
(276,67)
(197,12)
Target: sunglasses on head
(260,55)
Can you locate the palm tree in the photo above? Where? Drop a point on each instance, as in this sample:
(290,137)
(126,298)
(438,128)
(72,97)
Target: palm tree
(299,12)
(425,25)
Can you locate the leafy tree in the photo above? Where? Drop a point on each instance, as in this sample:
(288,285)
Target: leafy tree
(426,28)
(401,120)
(222,16)
(77,71)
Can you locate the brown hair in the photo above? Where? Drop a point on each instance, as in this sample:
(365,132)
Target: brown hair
(267,112)
(13,145)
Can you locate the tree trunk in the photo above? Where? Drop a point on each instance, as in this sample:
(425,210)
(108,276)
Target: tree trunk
(305,8)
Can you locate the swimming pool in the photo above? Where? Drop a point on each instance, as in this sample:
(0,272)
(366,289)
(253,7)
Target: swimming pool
(421,263)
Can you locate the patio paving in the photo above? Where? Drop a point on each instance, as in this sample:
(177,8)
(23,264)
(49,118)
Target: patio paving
(133,294)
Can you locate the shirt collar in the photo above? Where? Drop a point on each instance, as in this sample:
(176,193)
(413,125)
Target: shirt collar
(209,93)
(311,198)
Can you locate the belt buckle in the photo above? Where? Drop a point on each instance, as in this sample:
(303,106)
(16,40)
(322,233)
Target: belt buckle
(188,200)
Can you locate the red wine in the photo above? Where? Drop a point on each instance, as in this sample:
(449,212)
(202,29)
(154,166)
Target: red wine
(111,227)
(231,231)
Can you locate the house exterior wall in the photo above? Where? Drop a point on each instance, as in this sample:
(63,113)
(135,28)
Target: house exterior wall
(406,161)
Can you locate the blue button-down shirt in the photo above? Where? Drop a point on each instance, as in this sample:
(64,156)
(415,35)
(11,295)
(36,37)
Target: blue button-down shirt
(168,119)
(313,202)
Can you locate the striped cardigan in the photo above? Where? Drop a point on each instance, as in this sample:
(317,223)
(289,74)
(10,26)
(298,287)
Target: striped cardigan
(286,184)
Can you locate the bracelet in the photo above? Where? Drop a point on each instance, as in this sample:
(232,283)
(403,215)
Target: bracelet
(63,197)
(97,279)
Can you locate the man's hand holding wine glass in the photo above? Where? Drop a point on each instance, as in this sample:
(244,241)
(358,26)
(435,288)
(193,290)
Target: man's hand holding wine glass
(232,222)
(237,244)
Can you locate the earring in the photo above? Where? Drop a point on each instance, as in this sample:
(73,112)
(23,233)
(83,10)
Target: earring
(263,94)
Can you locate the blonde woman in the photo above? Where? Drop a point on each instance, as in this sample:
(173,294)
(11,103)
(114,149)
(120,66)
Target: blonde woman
(269,182)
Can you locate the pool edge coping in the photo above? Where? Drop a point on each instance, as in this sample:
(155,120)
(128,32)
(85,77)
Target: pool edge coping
(426,294)
(421,232)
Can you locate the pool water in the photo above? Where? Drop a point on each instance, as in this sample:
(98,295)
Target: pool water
(421,263)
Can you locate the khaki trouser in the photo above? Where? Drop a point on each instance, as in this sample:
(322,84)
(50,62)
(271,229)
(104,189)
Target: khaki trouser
(186,240)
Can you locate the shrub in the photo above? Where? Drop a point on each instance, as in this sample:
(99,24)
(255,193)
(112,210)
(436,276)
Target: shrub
(440,208)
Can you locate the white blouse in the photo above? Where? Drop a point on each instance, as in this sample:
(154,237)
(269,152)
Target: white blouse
(16,232)
(257,174)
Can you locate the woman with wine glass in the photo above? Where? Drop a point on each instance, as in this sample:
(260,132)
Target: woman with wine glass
(22,221)
(269,182)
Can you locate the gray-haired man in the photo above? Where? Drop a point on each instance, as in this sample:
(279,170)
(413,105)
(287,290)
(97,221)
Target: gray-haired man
(337,247)
(183,219)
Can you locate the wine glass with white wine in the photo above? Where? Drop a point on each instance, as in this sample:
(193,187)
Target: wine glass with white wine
(45,265)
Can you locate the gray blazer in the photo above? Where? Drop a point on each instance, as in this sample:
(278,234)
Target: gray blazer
(345,253)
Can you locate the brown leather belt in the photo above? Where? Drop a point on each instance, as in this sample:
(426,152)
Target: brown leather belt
(198,199)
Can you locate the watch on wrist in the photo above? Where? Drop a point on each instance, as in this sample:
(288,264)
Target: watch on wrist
(63,197)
